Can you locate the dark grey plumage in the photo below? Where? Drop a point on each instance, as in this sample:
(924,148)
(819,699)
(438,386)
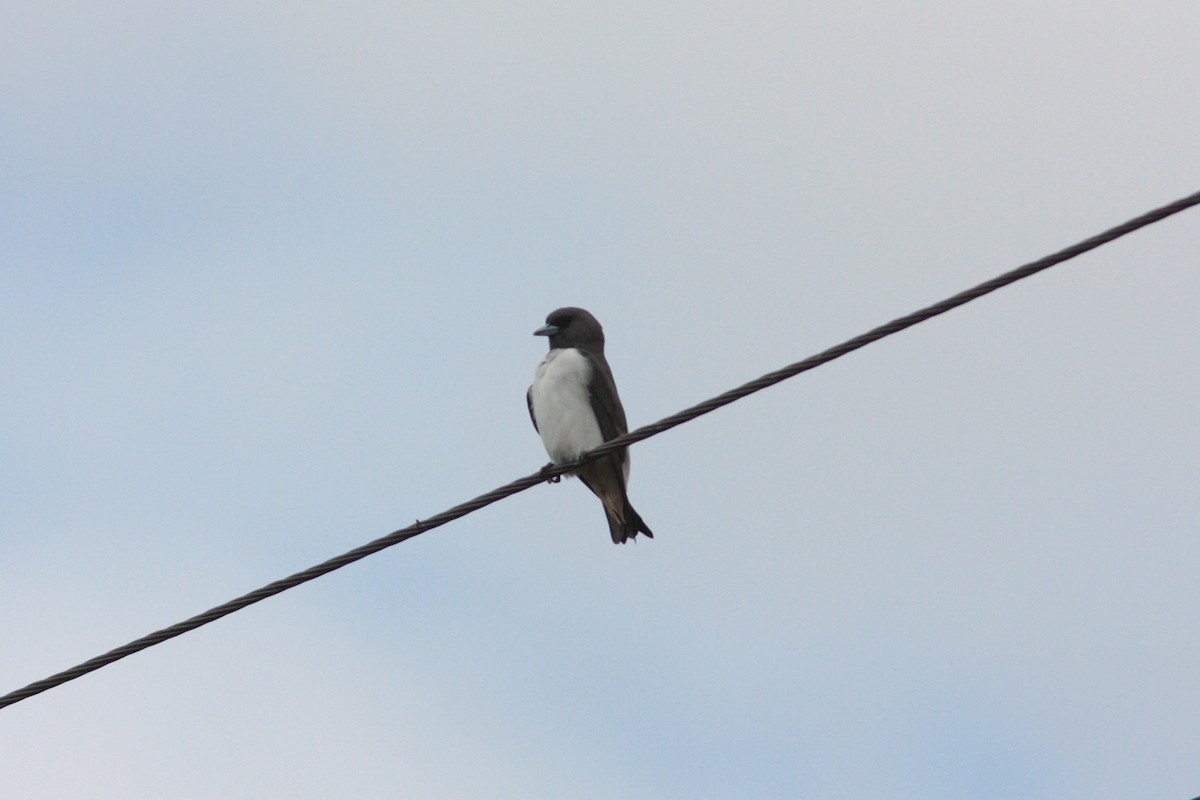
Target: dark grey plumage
(574,406)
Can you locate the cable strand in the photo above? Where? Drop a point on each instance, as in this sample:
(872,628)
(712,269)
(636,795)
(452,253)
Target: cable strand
(645,432)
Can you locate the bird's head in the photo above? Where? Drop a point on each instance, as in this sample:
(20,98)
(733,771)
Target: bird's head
(573,327)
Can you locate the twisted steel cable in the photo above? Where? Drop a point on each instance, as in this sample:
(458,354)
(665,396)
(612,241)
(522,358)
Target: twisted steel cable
(645,432)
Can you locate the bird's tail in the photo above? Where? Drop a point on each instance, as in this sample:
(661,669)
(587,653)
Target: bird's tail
(623,522)
(623,530)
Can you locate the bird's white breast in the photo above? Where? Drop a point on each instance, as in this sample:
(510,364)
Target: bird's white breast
(561,405)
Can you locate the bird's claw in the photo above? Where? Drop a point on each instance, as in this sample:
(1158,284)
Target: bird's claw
(550,478)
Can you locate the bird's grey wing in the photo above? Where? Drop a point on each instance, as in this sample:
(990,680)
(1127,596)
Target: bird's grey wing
(529,402)
(602,392)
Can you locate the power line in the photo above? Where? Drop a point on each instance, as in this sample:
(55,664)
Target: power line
(645,432)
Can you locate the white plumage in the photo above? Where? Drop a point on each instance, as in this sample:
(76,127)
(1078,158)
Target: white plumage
(561,406)
(574,405)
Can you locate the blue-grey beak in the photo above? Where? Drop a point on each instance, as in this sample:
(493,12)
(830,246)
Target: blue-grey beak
(546,330)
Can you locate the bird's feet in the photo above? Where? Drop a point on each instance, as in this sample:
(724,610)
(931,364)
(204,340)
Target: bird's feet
(546,474)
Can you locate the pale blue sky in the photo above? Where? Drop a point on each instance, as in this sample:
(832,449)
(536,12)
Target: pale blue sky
(270,276)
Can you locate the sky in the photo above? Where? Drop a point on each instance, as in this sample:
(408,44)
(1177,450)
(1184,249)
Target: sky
(270,273)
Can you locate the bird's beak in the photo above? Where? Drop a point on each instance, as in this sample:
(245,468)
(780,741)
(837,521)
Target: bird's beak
(546,330)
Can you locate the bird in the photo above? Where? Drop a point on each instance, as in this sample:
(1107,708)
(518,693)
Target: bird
(574,406)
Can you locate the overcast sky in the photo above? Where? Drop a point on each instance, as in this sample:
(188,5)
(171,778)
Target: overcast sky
(270,272)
